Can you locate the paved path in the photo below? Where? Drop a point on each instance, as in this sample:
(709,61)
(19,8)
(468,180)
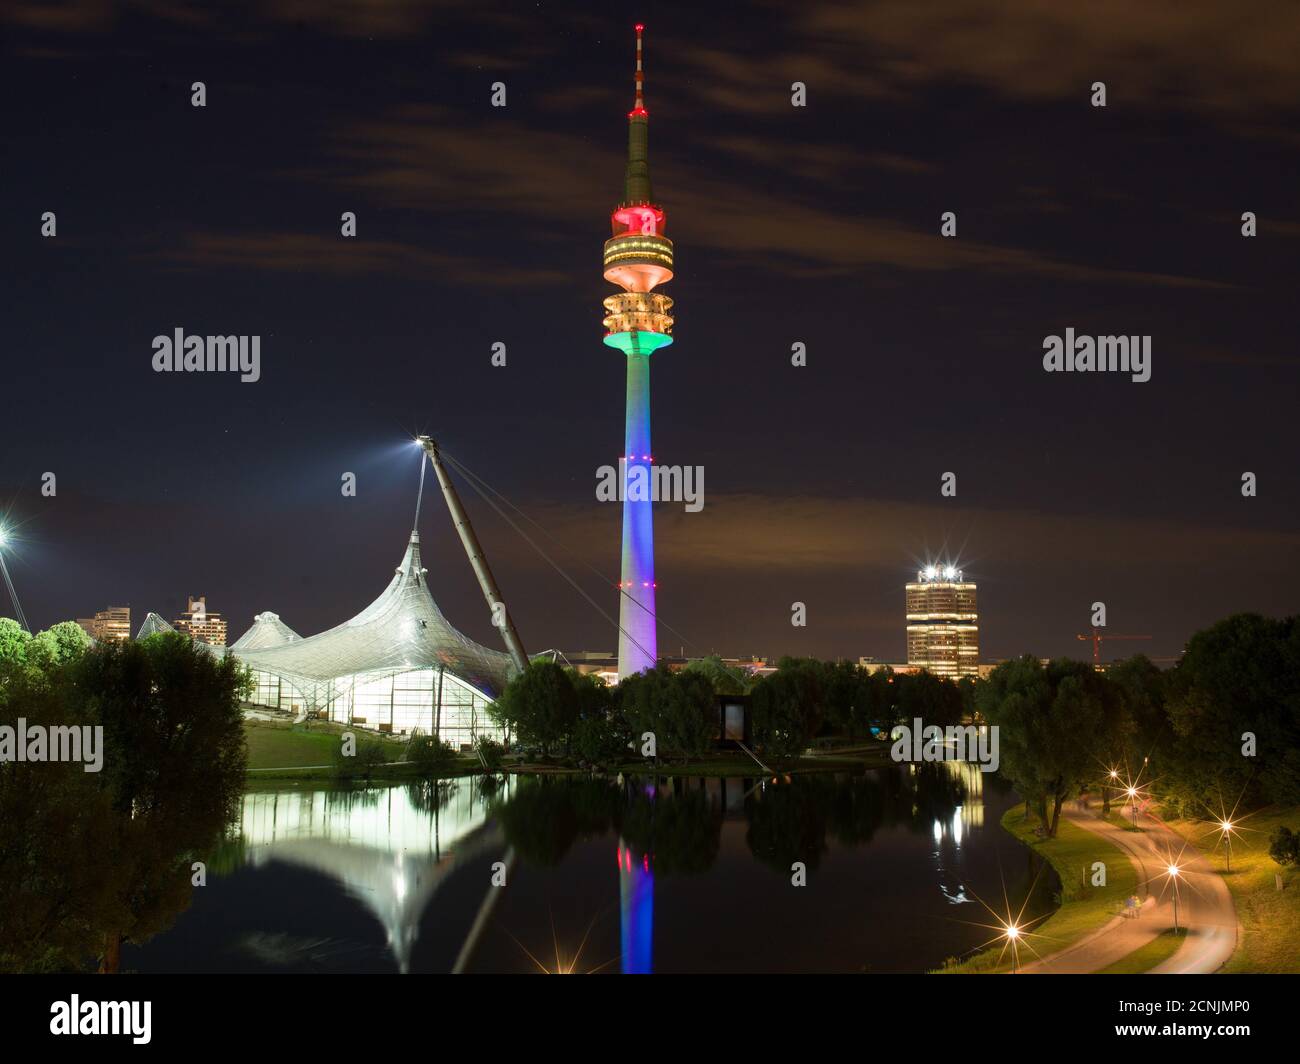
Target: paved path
(1205,906)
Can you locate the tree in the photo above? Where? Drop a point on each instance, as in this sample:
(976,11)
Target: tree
(785,708)
(842,689)
(679,708)
(725,680)
(881,697)
(540,705)
(90,860)
(1050,728)
(600,736)
(692,714)
(59,888)
(928,697)
(174,764)
(13,642)
(1137,724)
(65,641)
(1234,712)
(1143,687)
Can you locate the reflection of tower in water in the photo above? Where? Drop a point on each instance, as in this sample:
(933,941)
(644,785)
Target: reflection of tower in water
(636,881)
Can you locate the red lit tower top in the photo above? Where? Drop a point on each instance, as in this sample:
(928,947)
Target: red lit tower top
(638,256)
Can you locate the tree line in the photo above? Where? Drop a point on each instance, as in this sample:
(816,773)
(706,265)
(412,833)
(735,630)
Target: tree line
(561,711)
(1217,732)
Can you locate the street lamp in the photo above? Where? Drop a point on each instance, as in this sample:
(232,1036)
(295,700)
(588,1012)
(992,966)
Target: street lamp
(1226,827)
(1013,936)
(1173,876)
(1132,804)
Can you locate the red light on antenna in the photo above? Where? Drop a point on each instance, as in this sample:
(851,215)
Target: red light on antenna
(639,27)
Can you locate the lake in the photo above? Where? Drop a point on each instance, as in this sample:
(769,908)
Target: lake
(601,875)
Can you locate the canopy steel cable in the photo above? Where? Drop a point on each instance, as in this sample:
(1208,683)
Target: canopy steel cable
(13,596)
(472,477)
(469,474)
(545,557)
(419,495)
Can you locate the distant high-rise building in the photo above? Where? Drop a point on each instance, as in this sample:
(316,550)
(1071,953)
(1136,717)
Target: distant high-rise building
(198,623)
(943,633)
(108,625)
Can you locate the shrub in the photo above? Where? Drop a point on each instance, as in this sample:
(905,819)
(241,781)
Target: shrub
(366,756)
(491,752)
(429,754)
(1284,846)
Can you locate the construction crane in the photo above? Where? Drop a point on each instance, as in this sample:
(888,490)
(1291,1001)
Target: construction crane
(1098,637)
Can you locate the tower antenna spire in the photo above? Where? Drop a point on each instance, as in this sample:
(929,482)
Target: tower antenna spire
(639,104)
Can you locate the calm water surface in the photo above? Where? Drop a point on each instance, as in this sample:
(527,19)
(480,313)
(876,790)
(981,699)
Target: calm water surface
(674,875)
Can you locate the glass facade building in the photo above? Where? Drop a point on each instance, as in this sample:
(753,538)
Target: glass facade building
(943,623)
(396,666)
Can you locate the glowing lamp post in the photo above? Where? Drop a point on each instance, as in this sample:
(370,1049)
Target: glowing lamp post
(1226,827)
(1013,937)
(1132,804)
(1173,878)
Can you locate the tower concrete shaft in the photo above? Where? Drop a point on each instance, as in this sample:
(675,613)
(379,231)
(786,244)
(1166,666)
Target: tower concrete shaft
(636,615)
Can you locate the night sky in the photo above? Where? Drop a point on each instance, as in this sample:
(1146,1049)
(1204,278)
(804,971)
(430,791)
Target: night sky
(817,225)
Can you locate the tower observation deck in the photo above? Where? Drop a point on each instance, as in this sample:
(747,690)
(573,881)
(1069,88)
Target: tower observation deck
(638,258)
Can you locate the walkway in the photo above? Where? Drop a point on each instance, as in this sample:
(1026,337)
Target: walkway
(1205,906)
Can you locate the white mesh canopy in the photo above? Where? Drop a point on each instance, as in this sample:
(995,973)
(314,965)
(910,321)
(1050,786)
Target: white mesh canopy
(152,625)
(402,630)
(267,631)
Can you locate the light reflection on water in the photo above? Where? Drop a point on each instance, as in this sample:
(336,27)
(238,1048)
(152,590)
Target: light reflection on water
(631,875)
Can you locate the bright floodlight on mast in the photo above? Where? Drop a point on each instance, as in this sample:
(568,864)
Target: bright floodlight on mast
(13,594)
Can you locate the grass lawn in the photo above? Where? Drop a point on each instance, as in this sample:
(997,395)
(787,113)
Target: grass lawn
(274,746)
(285,752)
(1270,918)
(1144,958)
(1084,908)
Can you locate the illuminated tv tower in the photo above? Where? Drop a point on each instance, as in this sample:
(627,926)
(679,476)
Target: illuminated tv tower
(637,258)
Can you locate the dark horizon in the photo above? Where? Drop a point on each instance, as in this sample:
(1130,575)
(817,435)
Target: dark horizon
(817,225)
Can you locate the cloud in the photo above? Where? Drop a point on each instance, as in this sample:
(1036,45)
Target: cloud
(337,256)
(423,158)
(1195,55)
(419,158)
(805,534)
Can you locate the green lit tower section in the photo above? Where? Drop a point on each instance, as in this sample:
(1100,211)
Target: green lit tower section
(638,258)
